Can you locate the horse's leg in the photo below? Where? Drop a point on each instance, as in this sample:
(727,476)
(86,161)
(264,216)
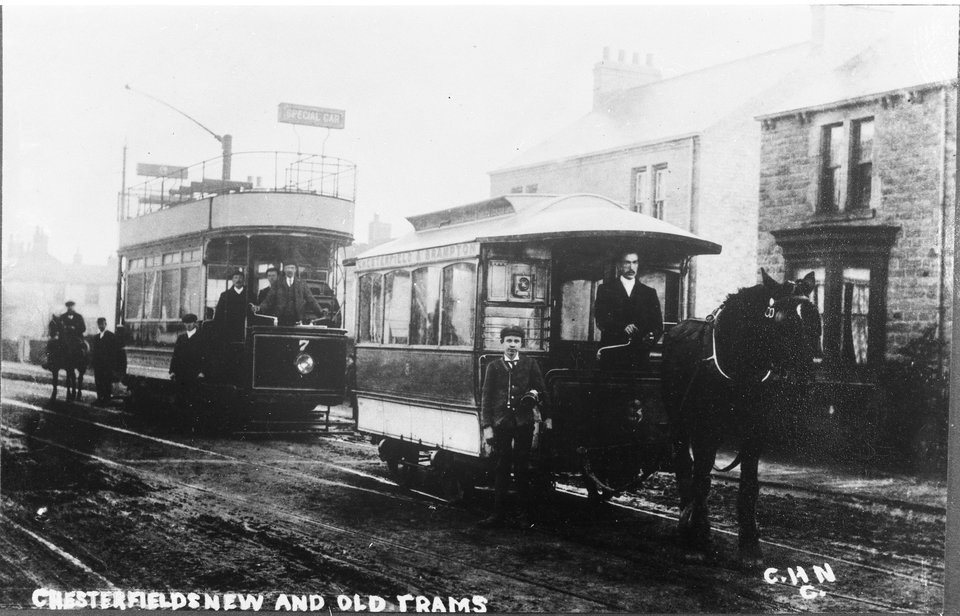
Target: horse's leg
(747,503)
(55,377)
(79,383)
(683,469)
(704,456)
(71,384)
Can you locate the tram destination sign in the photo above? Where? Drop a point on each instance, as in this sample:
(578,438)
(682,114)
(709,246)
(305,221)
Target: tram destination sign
(311,116)
(151,170)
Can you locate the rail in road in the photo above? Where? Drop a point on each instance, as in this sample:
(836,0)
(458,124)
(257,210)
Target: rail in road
(847,594)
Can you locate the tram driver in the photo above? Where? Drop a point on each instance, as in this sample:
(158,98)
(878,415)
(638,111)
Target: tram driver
(508,421)
(628,313)
(186,365)
(289,299)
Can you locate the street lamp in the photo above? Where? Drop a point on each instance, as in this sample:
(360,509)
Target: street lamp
(226,141)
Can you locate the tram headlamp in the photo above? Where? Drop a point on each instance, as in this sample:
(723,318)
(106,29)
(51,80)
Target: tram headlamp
(304,363)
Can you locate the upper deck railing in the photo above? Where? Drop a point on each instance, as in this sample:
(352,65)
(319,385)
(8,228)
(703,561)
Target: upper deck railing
(261,172)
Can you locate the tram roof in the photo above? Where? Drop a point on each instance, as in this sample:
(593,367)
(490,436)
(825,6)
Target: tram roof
(528,217)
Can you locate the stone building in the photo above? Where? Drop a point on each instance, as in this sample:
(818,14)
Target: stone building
(685,149)
(36,285)
(858,183)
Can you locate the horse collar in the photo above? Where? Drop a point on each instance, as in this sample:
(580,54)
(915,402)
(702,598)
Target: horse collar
(713,342)
(769,311)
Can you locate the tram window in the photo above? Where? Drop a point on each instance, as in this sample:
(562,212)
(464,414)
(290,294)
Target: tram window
(424,307)
(577,298)
(151,303)
(224,250)
(516,282)
(190,290)
(667,286)
(134,305)
(171,258)
(371,308)
(396,320)
(459,304)
(170,294)
(191,255)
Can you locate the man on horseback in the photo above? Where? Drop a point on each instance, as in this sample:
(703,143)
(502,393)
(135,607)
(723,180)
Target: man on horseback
(71,322)
(628,312)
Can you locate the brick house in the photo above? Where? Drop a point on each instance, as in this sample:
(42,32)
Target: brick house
(857,183)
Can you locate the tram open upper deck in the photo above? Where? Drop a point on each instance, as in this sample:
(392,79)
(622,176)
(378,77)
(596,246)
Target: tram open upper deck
(181,237)
(431,304)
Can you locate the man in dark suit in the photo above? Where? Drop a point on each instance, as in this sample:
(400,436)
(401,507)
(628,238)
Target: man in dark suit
(272,275)
(507,420)
(106,360)
(231,314)
(628,311)
(186,365)
(71,322)
(290,300)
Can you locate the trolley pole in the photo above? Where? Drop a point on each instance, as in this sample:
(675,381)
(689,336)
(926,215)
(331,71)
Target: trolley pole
(226,141)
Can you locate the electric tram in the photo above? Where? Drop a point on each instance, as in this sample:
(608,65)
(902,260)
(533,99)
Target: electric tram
(182,236)
(430,306)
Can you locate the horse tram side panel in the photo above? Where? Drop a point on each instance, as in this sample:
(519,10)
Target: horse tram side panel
(182,237)
(431,306)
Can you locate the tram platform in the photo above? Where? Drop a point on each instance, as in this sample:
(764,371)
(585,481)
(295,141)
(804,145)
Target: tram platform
(911,492)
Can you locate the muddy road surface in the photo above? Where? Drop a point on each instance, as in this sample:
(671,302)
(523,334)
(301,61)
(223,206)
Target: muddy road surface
(100,499)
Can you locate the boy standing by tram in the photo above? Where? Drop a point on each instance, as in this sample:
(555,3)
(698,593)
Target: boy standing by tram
(511,387)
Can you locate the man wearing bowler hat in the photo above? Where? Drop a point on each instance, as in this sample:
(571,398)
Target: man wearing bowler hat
(186,365)
(290,300)
(231,314)
(511,385)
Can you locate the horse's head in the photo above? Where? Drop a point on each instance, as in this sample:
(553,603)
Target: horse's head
(795,327)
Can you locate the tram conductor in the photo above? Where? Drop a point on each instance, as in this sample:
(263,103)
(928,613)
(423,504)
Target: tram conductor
(289,299)
(511,385)
(628,311)
(231,314)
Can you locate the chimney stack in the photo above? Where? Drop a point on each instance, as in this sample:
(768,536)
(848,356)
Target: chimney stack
(610,77)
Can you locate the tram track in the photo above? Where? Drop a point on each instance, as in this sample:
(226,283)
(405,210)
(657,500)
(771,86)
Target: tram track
(261,506)
(657,511)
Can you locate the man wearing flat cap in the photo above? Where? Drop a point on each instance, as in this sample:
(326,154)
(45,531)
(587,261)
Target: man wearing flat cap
(507,420)
(186,365)
(289,299)
(71,322)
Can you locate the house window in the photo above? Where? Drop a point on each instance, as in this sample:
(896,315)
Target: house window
(659,190)
(531,188)
(861,164)
(516,190)
(641,190)
(855,315)
(830,154)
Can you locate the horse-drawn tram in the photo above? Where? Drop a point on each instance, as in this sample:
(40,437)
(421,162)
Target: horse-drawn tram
(430,310)
(184,236)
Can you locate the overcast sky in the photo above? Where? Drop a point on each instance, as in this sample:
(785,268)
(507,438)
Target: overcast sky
(435,97)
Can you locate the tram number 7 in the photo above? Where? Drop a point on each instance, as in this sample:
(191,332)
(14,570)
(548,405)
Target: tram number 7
(303,345)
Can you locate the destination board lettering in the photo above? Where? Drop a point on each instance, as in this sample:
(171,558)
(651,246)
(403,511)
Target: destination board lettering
(425,255)
(311,116)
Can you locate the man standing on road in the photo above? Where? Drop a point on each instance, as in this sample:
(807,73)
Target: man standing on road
(628,311)
(186,365)
(508,421)
(290,300)
(106,360)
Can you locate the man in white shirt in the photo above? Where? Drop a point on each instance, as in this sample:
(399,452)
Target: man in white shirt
(629,311)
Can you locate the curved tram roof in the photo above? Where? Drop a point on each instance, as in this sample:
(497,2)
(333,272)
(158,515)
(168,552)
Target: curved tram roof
(535,217)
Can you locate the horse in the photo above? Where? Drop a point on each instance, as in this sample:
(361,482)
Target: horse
(68,353)
(721,377)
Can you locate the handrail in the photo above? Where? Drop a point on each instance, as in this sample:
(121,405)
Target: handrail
(291,172)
